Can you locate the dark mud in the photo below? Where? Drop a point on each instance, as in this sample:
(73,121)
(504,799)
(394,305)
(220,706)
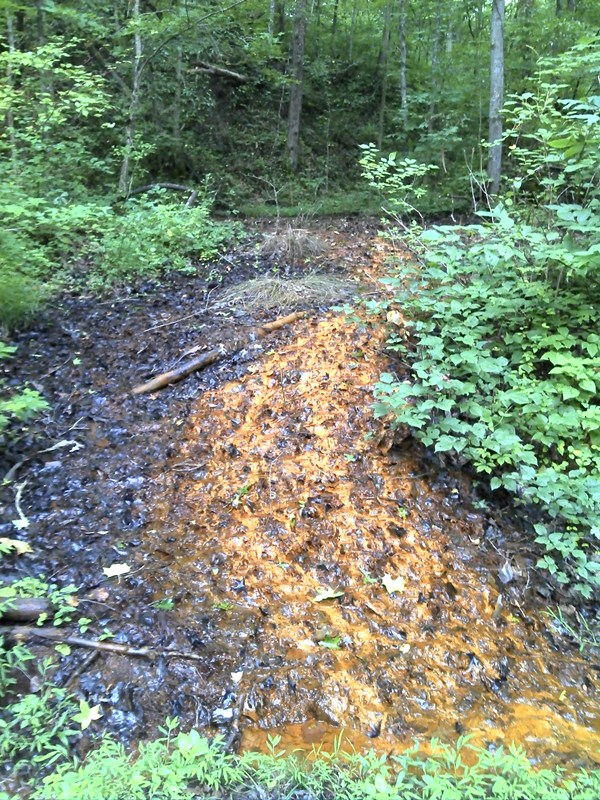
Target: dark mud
(241,495)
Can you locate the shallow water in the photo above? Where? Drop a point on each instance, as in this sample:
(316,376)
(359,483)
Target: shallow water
(247,492)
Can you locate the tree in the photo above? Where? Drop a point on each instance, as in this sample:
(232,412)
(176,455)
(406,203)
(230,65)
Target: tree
(135,96)
(496,96)
(296,89)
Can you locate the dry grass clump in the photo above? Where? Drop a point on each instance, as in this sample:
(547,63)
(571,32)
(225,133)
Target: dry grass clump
(270,292)
(293,245)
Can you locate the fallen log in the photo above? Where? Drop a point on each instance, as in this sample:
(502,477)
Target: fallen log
(26,609)
(194,364)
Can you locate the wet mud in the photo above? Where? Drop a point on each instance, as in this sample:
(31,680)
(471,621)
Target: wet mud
(295,568)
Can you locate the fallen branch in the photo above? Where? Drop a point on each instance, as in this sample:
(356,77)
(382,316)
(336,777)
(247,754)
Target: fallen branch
(177,187)
(26,609)
(211,356)
(214,69)
(56,635)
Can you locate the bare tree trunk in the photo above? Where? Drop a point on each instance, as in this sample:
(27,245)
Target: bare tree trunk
(46,84)
(133,103)
(334,25)
(295,109)
(178,87)
(435,60)
(383,61)
(496,96)
(10,118)
(403,57)
(280,16)
(352,29)
(271,28)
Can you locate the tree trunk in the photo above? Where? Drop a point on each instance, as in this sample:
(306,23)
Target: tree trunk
(271,27)
(280,17)
(383,62)
(45,77)
(496,96)
(352,29)
(403,56)
(334,25)
(295,109)
(124,178)
(10,118)
(435,60)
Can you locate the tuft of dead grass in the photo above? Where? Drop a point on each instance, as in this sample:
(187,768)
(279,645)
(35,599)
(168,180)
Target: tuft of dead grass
(270,292)
(293,245)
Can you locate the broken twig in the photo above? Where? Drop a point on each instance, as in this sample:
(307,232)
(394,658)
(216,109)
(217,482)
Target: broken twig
(211,356)
(56,635)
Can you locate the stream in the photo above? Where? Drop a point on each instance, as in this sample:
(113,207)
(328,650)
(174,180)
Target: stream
(295,568)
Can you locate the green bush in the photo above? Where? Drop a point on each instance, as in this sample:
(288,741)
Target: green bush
(22,405)
(153,236)
(504,373)
(504,322)
(58,244)
(21,295)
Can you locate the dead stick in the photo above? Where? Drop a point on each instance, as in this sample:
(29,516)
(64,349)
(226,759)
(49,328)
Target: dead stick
(279,323)
(25,609)
(182,371)
(211,356)
(57,635)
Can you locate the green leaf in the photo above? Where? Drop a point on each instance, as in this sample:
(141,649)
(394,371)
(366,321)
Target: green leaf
(86,715)
(445,443)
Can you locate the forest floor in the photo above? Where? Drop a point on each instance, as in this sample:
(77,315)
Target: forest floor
(318,574)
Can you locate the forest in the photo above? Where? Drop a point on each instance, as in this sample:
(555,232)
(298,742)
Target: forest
(299,417)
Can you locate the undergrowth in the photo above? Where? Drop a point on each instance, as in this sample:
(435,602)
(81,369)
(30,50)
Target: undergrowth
(187,765)
(20,405)
(95,246)
(503,322)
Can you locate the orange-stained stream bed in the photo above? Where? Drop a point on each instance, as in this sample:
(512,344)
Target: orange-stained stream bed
(336,581)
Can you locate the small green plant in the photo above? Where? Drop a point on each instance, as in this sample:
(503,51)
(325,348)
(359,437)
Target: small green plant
(223,605)
(21,406)
(584,632)
(34,728)
(235,501)
(166,604)
(60,598)
(398,180)
(181,766)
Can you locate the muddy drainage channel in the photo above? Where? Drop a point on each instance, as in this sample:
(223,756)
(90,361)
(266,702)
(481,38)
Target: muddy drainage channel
(326,584)
(293,570)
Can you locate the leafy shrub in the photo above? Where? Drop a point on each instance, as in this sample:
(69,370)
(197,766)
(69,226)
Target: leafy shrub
(504,372)
(20,406)
(399,180)
(504,322)
(34,726)
(68,242)
(35,730)
(21,295)
(153,236)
